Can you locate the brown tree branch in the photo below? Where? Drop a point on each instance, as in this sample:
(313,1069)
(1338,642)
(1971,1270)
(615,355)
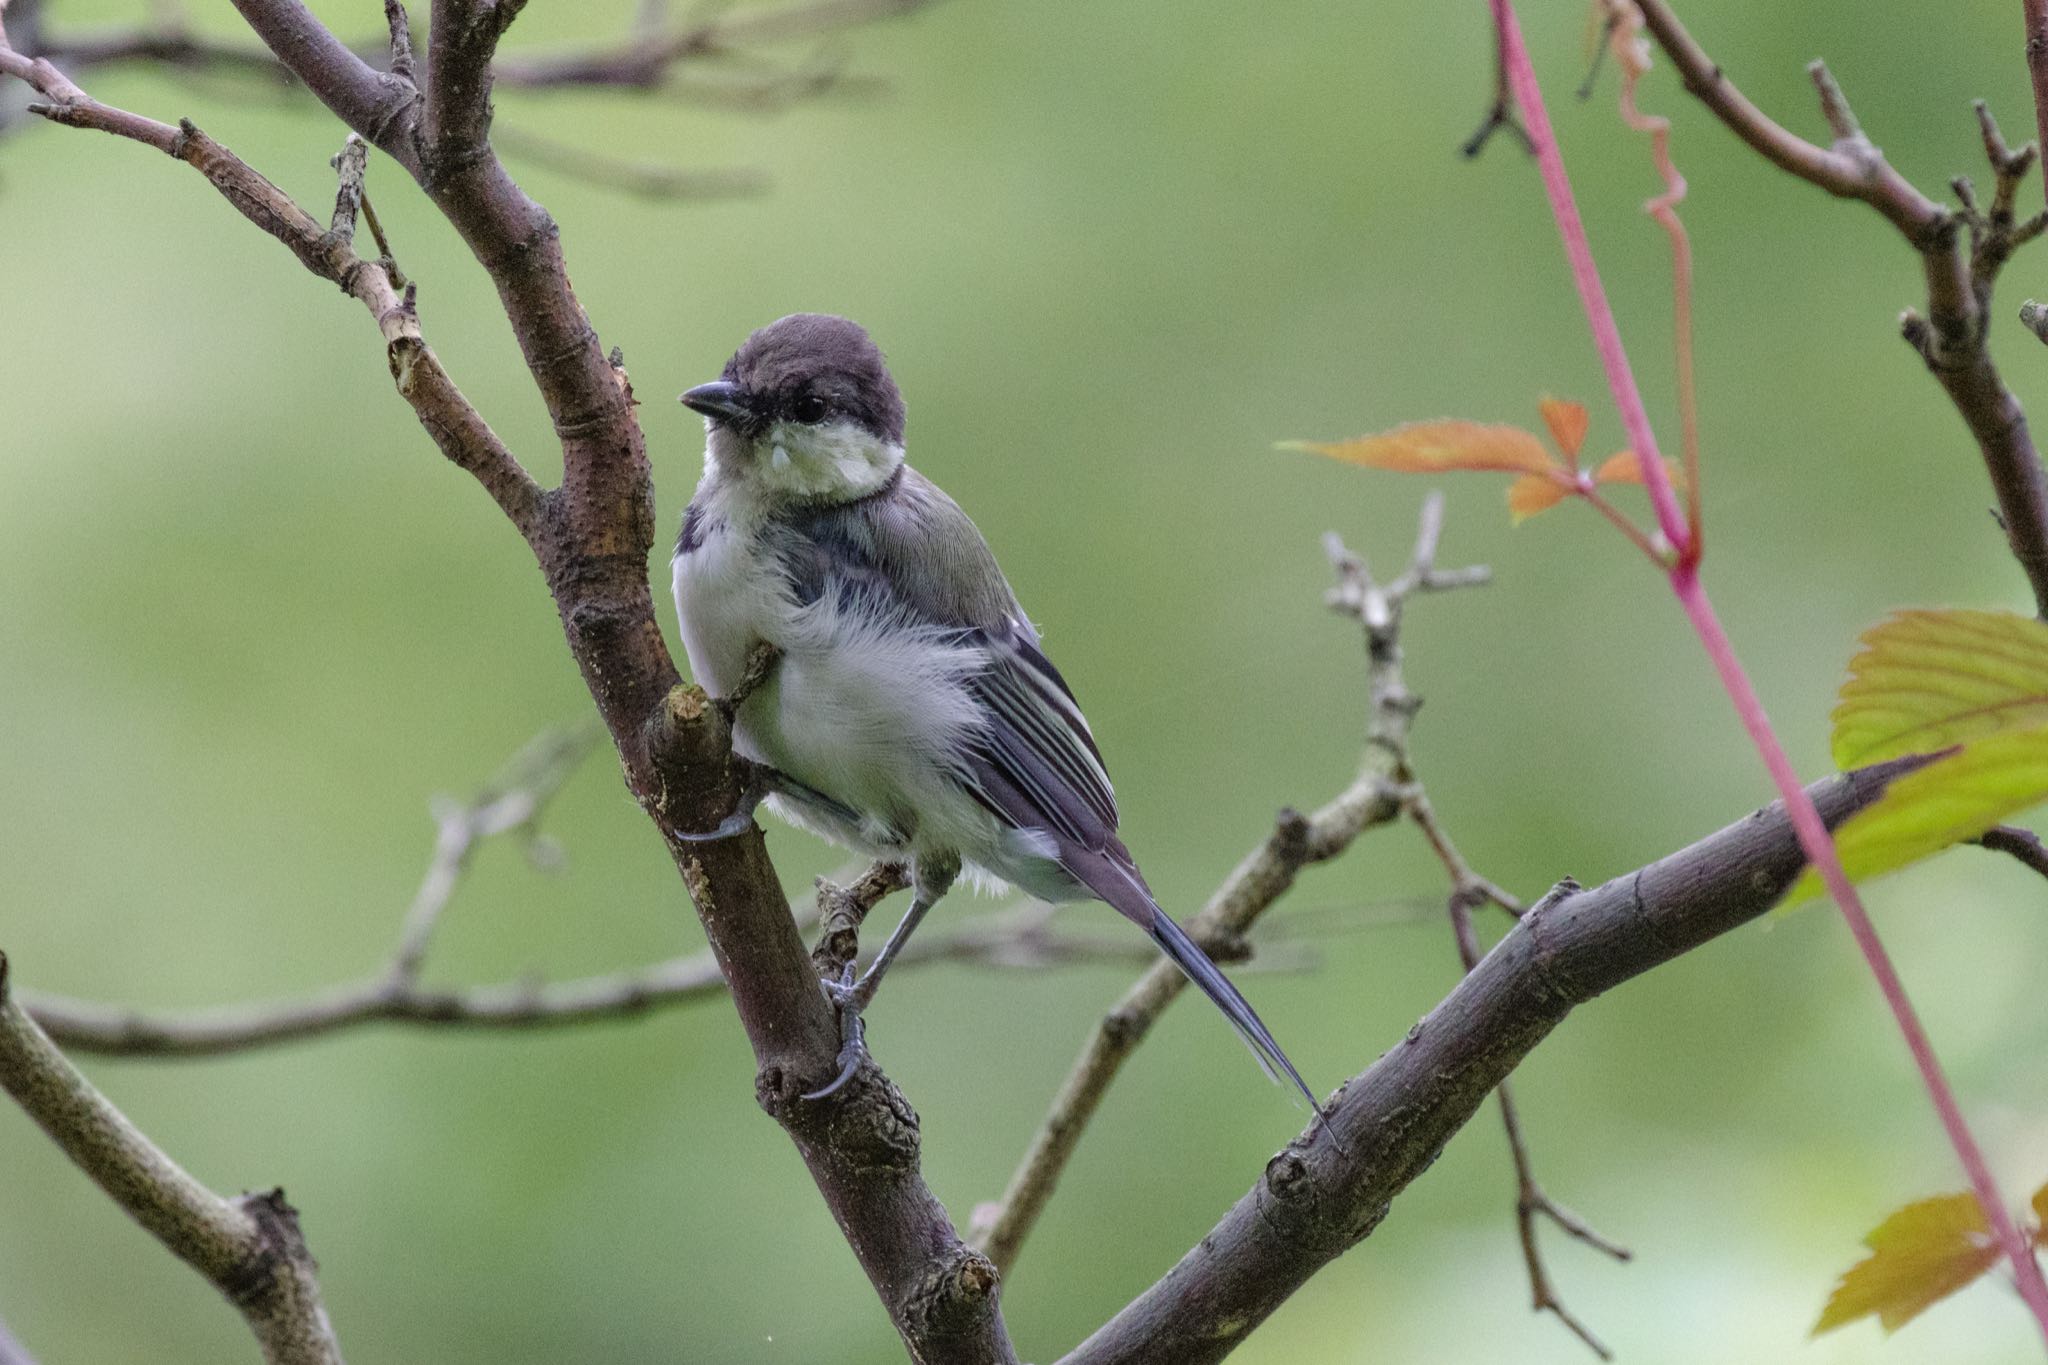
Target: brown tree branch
(1331,1187)
(592,537)
(2021,844)
(249,1248)
(1375,797)
(1022,938)
(1953,338)
(2035,13)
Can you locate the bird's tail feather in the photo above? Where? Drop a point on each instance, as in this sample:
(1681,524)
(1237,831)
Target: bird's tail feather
(1189,957)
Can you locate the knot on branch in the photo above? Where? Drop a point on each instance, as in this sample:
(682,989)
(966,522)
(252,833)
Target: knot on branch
(843,909)
(867,1124)
(954,1297)
(1296,1207)
(689,748)
(255,1285)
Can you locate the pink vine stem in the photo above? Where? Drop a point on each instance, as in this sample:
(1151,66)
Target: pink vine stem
(1683,570)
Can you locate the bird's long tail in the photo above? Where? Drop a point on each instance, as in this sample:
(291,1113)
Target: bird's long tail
(1189,957)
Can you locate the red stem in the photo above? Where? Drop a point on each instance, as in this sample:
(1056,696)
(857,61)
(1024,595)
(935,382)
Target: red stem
(1814,838)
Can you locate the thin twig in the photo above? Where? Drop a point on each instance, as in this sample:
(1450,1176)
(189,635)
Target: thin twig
(2023,844)
(1952,337)
(1375,797)
(1469,890)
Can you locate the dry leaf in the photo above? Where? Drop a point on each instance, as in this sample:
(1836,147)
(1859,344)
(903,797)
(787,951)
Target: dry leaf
(1920,1255)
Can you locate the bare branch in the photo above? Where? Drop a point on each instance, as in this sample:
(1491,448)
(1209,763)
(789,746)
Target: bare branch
(380,105)
(2022,844)
(1333,1185)
(463,44)
(249,1248)
(1374,798)
(1952,338)
(455,425)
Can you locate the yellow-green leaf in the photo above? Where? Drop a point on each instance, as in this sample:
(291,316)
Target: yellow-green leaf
(1920,1255)
(1926,680)
(1433,447)
(2041,1216)
(1954,798)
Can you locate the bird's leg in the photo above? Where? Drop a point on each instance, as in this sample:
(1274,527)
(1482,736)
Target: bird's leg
(931,878)
(761,782)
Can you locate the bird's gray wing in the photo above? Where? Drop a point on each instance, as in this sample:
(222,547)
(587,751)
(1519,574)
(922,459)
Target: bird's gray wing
(912,553)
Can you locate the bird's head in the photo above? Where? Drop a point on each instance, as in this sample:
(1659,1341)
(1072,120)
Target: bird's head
(805,411)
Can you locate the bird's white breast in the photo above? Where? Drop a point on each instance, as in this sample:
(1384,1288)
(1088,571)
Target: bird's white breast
(870,710)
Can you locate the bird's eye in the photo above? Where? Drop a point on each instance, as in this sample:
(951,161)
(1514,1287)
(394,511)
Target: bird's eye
(808,409)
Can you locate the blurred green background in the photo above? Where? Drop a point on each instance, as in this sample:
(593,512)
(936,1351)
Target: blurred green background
(249,622)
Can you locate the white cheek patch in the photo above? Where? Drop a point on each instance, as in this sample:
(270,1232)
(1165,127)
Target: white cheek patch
(835,460)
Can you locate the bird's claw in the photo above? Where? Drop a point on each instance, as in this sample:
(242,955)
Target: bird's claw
(849,1000)
(739,822)
(758,784)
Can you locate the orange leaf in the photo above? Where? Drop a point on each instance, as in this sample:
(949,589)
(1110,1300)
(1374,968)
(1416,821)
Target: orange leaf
(1567,422)
(1920,1255)
(1623,467)
(1431,447)
(1533,493)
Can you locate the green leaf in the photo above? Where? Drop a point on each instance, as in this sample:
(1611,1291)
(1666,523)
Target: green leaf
(1950,800)
(1927,680)
(1920,1255)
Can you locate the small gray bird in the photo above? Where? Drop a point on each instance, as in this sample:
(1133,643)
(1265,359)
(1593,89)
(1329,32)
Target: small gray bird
(910,714)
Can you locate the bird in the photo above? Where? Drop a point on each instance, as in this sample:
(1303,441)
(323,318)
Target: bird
(910,712)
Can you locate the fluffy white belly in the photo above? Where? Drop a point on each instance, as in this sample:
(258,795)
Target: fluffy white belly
(872,712)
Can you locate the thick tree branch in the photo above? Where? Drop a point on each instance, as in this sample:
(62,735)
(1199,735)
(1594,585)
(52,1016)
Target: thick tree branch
(249,1248)
(1331,1187)
(1952,339)
(380,105)
(592,537)
(1376,797)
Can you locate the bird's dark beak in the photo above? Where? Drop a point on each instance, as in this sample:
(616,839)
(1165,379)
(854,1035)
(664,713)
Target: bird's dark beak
(721,400)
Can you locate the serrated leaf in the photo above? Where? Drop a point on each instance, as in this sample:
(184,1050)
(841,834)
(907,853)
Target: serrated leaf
(1623,467)
(1533,493)
(1567,422)
(1954,798)
(1925,680)
(1434,447)
(1920,1255)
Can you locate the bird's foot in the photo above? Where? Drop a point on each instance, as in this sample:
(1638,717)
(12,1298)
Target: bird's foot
(849,998)
(758,785)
